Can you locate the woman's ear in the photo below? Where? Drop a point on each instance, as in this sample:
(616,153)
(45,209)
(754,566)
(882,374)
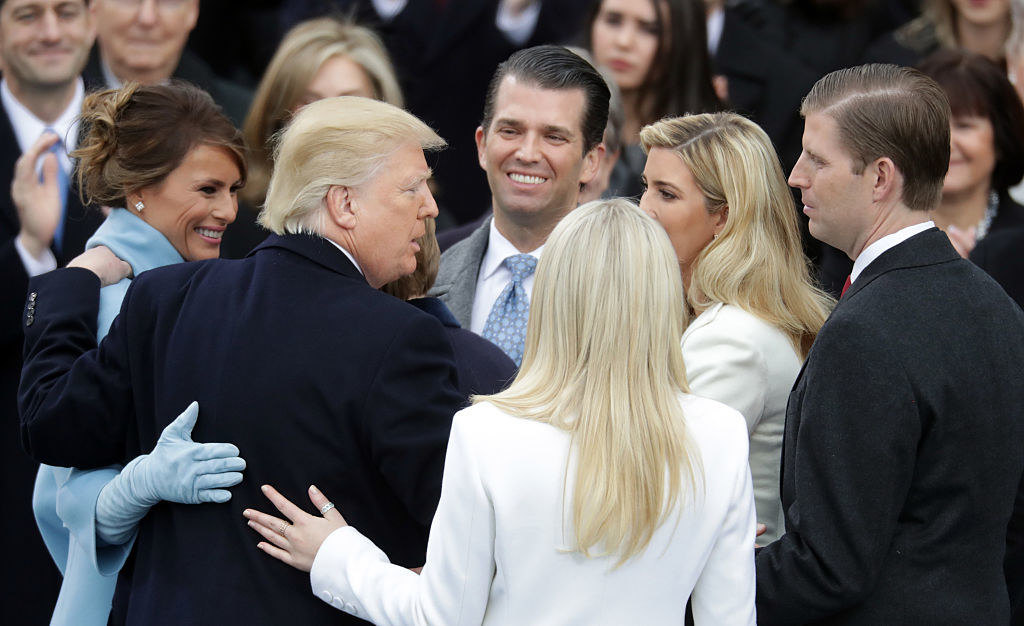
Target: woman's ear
(723,217)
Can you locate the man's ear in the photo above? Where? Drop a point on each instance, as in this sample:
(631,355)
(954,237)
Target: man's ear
(480,145)
(341,206)
(888,181)
(591,163)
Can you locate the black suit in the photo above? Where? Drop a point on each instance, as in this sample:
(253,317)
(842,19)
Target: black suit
(902,452)
(315,376)
(31,579)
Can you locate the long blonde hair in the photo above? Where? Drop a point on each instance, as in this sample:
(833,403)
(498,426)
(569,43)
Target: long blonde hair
(303,51)
(756,263)
(602,361)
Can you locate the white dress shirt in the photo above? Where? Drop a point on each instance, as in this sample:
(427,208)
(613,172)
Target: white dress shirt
(494,277)
(27,130)
(877,248)
(348,254)
(499,552)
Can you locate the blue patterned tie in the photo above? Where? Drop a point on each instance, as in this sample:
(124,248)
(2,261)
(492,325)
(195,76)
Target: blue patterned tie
(62,184)
(506,324)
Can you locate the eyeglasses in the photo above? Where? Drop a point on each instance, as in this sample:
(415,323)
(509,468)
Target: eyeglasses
(166,5)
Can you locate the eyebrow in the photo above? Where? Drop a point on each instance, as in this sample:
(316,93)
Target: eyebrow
(413,182)
(548,128)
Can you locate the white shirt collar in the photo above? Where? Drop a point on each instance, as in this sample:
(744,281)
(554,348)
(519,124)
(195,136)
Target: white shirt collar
(498,249)
(876,249)
(348,254)
(28,127)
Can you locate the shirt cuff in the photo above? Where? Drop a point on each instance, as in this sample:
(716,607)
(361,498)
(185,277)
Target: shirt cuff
(518,28)
(34,266)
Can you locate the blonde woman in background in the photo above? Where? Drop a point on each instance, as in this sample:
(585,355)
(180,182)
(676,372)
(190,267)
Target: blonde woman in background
(317,59)
(595,490)
(714,182)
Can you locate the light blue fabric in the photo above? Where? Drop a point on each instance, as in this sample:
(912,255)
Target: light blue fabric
(64,500)
(506,324)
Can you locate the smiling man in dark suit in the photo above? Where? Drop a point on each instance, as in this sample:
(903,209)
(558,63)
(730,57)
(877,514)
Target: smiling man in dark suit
(903,446)
(293,354)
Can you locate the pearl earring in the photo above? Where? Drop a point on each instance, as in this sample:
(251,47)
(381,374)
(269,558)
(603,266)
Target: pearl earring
(139,206)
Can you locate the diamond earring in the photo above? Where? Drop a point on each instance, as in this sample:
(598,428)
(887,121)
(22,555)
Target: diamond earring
(139,206)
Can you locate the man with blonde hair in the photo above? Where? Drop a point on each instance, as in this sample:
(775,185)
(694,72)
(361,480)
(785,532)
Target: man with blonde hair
(293,354)
(902,452)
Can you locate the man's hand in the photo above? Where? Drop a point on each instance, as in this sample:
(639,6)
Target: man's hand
(104,263)
(38,203)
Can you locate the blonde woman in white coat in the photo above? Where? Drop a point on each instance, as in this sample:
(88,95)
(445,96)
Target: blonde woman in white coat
(594,490)
(714,182)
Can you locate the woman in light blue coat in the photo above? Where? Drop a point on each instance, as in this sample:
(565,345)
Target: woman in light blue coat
(179,193)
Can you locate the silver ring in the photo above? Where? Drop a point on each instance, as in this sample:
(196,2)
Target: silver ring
(326,507)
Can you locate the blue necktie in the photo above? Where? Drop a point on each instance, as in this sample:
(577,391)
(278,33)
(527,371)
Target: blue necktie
(506,324)
(62,184)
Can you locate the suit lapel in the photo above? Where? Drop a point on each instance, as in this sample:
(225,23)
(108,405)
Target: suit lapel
(460,266)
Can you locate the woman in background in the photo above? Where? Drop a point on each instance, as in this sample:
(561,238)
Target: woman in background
(714,183)
(317,59)
(595,489)
(986,156)
(981,27)
(174,193)
(657,52)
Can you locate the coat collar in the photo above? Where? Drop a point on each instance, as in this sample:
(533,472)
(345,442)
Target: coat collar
(927,248)
(316,249)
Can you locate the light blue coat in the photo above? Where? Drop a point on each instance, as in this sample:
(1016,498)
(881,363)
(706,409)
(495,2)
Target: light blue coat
(64,500)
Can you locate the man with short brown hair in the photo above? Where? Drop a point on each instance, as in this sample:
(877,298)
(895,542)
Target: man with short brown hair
(902,452)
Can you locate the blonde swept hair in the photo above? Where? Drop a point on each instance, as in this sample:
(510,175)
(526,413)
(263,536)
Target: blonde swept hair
(602,361)
(341,141)
(757,262)
(301,54)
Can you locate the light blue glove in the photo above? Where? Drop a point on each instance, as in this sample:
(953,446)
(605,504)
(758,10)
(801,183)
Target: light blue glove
(177,470)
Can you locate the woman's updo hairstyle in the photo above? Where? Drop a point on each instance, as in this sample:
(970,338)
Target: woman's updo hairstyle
(133,137)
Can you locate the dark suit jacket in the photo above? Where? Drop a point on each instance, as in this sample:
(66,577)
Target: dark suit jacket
(482,367)
(1001,255)
(317,378)
(902,452)
(31,589)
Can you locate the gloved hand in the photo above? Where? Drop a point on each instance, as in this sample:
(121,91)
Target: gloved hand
(177,470)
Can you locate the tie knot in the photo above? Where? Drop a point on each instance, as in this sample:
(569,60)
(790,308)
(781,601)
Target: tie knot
(521,266)
(58,146)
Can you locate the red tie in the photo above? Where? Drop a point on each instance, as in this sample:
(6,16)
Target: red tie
(846,286)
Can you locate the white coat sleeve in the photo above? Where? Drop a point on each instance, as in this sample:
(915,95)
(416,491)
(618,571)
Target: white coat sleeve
(352,574)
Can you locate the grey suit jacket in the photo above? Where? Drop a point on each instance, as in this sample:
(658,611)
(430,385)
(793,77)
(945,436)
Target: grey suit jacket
(456,278)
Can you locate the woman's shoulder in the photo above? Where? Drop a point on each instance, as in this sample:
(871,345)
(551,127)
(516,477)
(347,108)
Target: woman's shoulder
(727,322)
(483,420)
(712,420)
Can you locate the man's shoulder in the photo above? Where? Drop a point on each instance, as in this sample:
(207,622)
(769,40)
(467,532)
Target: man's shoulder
(467,253)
